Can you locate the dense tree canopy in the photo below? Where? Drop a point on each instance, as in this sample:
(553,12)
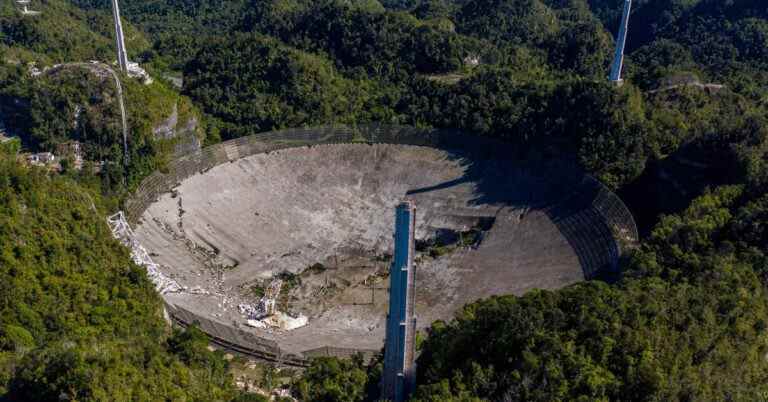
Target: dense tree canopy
(684,141)
(77,318)
(274,87)
(692,300)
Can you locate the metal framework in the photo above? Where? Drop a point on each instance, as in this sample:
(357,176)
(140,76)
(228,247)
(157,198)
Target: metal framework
(122,231)
(399,374)
(621,41)
(599,233)
(266,305)
(122,55)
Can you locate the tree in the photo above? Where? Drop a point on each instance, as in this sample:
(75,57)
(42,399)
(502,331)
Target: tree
(333,379)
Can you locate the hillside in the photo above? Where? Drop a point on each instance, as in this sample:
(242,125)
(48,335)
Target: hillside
(683,141)
(52,93)
(61,33)
(692,299)
(77,318)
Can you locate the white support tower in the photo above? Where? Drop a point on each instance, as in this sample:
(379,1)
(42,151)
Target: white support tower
(122,55)
(25,10)
(122,231)
(621,40)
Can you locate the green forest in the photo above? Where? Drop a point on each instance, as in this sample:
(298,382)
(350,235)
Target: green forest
(684,142)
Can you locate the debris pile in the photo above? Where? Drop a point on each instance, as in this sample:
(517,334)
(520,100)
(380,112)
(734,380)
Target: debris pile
(265,313)
(122,231)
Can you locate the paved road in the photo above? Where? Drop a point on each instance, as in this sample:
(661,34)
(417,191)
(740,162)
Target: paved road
(710,87)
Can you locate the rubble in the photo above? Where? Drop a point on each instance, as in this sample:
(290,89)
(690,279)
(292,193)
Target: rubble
(275,214)
(265,313)
(285,321)
(256,324)
(122,231)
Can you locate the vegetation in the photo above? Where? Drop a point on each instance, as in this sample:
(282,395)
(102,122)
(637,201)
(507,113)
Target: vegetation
(691,301)
(684,322)
(62,33)
(692,298)
(77,318)
(330,379)
(277,87)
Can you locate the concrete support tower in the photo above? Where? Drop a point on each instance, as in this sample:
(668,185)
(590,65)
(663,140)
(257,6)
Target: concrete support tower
(26,10)
(122,55)
(621,40)
(399,375)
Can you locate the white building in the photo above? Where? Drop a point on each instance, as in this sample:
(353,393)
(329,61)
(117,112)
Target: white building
(41,158)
